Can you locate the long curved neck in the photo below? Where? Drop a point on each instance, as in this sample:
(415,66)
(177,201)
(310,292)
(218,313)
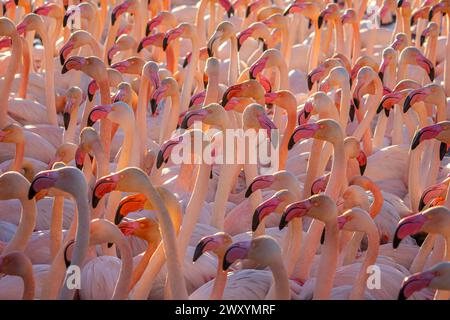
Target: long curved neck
(126,153)
(6,85)
(141,114)
(372,105)
(220,281)
(339,37)
(187,86)
(378,200)
(345,105)
(69,134)
(25,229)
(28,285)
(358,289)
(26,57)
(174,270)
(140,268)
(328,262)
(212,90)
(105,125)
(173,116)
(290,126)
(123,283)
(49,80)
(200,22)
(281,280)
(193,208)
(81,238)
(338,170)
(314,55)
(356,43)
(233,70)
(18,159)
(56,226)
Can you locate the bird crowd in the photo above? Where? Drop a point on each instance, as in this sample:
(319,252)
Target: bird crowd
(98,99)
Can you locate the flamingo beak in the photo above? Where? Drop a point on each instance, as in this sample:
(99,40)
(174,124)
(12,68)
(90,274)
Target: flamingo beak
(192,116)
(260,182)
(426,133)
(257,67)
(263,210)
(206,244)
(97,113)
(304,131)
(103,186)
(414,97)
(236,251)
(408,226)
(294,210)
(414,283)
(73,63)
(42,181)
(128,204)
(166,149)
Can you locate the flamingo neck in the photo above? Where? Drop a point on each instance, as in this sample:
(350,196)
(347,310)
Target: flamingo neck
(280,280)
(193,207)
(82,236)
(126,268)
(56,226)
(174,270)
(358,289)
(26,56)
(6,85)
(328,262)
(25,229)
(28,285)
(18,159)
(220,281)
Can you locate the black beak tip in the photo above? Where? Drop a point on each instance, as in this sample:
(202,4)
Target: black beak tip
(380,108)
(61,59)
(351,113)
(356,103)
(407,104)
(283,222)
(66,17)
(431,74)
(386,112)
(230,12)
(153,106)
(90,123)
(147,30)
(159,160)
(396,241)
(210,52)
(66,117)
(248,11)
(185,63)
(113,19)
(401,294)
(31,192)
(110,244)
(140,47)
(422,40)
(95,201)
(362,169)
(310,83)
(421,204)
(249,191)
(320,22)
(381,75)
(442,150)
(291,143)
(64,69)
(165,43)
(430,15)
(79,166)
(255,221)
(90,96)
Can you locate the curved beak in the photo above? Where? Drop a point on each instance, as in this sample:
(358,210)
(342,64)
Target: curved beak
(166,149)
(314,76)
(257,67)
(97,113)
(65,51)
(74,62)
(192,116)
(431,193)
(103,186)
(263,210)
(415,282)
(206,244)
(304,131)
(413,97)
(260,182)
(129,204)
(42,181)
(67,110)
(294,210)
(408,226)
(92,88)
(426,133)
(236,251)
